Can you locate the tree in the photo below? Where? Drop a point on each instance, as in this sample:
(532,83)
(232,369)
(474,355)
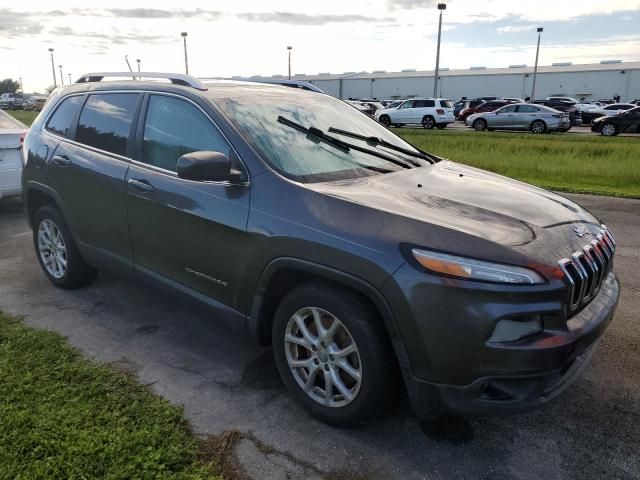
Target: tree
(8,85)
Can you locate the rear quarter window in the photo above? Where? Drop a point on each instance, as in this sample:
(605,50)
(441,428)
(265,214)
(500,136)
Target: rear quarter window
(64,114)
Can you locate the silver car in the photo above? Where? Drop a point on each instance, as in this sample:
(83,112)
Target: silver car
(521,116)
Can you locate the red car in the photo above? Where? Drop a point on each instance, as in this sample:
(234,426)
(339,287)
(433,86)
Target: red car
(484,107)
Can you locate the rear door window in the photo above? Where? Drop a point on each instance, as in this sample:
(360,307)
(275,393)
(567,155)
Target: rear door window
(65,113)
(527,109)
(174,127)
(105,121)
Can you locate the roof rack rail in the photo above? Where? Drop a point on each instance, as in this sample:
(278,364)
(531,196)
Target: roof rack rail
(175,78)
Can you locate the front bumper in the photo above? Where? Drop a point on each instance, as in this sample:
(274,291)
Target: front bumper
(464,373)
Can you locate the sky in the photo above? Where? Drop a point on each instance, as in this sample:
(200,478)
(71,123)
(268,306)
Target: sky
(250,37)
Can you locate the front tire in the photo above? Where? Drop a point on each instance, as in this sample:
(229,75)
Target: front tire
(480,125)
(385,120)
(332,354)
(57,253)
(608,130)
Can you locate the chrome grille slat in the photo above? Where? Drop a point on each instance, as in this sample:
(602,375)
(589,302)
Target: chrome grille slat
(585,271)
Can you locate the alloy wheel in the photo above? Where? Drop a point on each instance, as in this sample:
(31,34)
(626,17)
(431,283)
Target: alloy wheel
(428,122)
(480,125)
(52,249)
(323,357)
(608,130)
(537,127)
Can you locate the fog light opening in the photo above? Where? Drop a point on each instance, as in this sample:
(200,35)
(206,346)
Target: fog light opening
(513,329)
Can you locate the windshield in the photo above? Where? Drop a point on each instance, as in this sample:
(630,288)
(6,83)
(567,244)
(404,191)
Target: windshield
(301,156)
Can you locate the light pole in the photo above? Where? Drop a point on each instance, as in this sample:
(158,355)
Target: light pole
(289,50)
(61,77)
(186,62)
(442,7)
(138,60)
(53,68)
(69,78)
(21,86)
(535,68)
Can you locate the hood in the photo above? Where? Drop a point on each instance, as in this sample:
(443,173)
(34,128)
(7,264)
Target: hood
(380,111)
(465,199)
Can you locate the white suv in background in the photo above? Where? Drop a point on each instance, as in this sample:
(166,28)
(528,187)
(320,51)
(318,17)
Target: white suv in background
(428,112)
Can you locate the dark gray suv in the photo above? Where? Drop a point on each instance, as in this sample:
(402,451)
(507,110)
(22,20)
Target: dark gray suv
(367,263)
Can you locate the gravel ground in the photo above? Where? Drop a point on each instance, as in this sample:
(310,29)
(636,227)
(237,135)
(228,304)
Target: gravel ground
(227,383)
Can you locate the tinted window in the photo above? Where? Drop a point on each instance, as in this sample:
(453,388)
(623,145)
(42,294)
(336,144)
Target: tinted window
(174,127)
(105,121)
(508,109)
(60,121)
(446,103)
(527,109)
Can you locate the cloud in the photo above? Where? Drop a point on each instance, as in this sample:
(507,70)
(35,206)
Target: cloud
(411,4)
(112,37)
(17,24)
(304,19)
(156,13)
(515,28)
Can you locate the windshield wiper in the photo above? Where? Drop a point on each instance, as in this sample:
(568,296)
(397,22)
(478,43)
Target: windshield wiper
(383,143)
(344,146)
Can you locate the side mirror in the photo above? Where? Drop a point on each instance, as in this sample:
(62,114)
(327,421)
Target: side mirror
(207,166)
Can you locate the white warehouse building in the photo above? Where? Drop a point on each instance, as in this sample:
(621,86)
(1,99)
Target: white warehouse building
(602,80)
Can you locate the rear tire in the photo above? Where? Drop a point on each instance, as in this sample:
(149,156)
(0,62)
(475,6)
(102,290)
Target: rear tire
(385,120)
(57,252)
(358,330)
(538,126)
(428,122)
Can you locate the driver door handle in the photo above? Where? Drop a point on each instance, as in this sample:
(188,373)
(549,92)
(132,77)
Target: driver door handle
(141,185)
(62,160)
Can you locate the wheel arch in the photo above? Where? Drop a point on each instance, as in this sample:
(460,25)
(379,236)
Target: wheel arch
(37,196)
(284,273)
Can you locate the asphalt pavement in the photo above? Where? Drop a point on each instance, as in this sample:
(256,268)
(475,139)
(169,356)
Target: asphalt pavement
(226,383)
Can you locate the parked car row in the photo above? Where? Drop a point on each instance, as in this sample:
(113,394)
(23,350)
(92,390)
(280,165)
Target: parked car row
(17,101)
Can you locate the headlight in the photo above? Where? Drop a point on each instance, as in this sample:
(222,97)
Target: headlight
(471,269)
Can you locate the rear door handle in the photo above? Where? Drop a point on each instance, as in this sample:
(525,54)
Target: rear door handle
(62,160)
(141,185)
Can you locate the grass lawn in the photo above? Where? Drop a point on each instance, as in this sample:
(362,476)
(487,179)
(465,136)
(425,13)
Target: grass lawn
(567,162)
(25,117)
(62,416)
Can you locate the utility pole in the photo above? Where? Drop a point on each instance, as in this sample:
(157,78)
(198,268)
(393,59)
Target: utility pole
(535,68)
(53,68)
(186,61)
(69,78)
(61,77)
(289,50)
(138,60)
(442,7)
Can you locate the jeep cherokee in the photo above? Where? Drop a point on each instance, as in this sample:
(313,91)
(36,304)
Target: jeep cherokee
(367,263)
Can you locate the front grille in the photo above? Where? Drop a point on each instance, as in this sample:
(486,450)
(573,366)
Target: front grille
(587,269)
